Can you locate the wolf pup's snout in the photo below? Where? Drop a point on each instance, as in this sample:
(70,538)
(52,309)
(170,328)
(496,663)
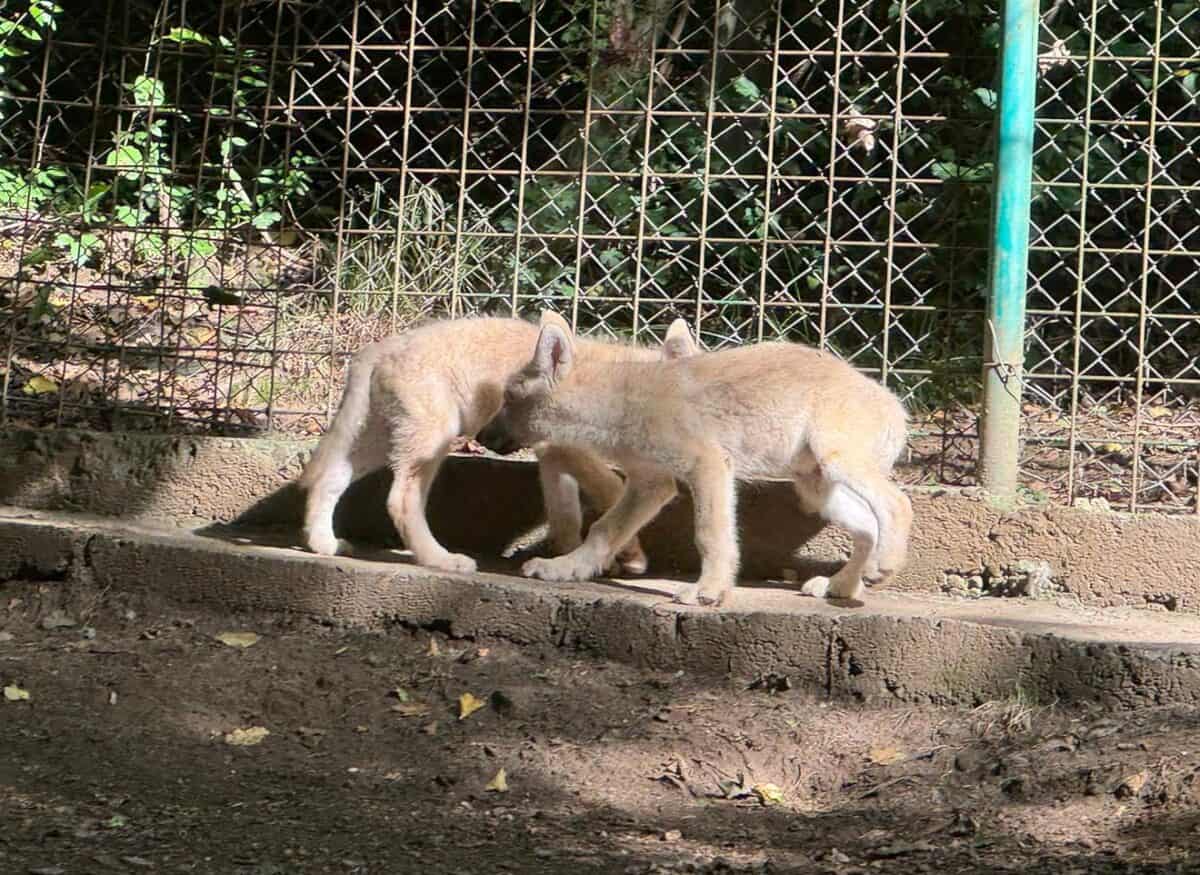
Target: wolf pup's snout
(496,438)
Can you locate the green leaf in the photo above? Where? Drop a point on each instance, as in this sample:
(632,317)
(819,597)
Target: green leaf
(148,91)
(986,96)
(746,88)
(125,157)
(43,14)
(950,170)
(127,215)
(186,35)
(79,250)
(610,258)
(266,219)
(196,247)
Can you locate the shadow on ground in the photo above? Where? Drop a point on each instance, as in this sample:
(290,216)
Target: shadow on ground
(118,761)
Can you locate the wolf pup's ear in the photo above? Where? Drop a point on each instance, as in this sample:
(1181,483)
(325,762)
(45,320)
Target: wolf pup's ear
(555,354)
(549,317)
(679,343)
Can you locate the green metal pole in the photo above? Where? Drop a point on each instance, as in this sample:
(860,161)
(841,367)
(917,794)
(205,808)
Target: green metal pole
(1005,330)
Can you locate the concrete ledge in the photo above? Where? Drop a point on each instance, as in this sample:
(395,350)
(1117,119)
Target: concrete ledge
(960,540)
(898,648)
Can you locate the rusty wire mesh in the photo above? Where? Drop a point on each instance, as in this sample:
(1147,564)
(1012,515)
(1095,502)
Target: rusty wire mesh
(205,207)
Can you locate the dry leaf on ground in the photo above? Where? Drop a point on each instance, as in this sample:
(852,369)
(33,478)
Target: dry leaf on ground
(498,784)
(247,737)
(411,709)
(768,794)
(468,705)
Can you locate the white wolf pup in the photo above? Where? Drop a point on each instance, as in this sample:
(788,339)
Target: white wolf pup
(763,411)
(409,396)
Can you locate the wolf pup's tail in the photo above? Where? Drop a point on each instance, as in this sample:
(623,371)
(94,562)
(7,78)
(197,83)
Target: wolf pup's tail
(350,418)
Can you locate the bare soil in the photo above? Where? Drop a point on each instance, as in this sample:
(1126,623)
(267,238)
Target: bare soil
(120,761)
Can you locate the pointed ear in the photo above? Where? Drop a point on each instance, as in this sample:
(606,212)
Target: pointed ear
(549,317)
(679,343)
(554,354)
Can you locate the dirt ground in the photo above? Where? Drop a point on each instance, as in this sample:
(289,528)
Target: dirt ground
(120,760)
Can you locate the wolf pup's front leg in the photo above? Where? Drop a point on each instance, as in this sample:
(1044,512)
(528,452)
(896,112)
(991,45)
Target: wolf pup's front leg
(645,493)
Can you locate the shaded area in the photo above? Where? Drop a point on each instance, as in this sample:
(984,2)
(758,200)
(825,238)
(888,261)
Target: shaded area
(119,757)
(490,507)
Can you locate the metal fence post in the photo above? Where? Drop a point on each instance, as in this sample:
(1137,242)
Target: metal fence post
(1005,329)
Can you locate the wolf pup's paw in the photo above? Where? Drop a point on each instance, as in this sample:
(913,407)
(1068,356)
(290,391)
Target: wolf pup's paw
(632,559)
(561,568)
(712,596)
(817,587)
(323,543)
(452,562)
(688,594)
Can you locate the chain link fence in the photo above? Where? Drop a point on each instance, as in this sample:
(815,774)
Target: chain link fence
(206,207)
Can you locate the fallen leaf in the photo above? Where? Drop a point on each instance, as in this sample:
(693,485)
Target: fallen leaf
(201,336)
(247,737)
(40,385)
(472,653)
(886,756)
(13,693)
(768,794)
(1131,785)
(238,639)
(468,705)
(734,789)
(411,709)
(498,784)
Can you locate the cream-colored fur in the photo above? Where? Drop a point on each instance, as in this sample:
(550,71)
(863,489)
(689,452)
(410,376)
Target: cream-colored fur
(410,396)
(769,410)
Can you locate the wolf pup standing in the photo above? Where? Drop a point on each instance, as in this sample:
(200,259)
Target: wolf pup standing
(410,396)
(769,410)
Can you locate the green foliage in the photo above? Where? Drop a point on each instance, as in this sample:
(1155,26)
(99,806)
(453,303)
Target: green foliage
(187,181)
(179,217)
(21,29)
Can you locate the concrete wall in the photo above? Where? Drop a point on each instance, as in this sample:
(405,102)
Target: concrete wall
(961,542)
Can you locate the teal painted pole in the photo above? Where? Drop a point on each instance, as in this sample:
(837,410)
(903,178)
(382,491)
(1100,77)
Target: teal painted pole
(1005,330)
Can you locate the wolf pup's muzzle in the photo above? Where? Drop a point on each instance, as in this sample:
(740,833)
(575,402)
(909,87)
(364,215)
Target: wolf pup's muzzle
(496,438)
